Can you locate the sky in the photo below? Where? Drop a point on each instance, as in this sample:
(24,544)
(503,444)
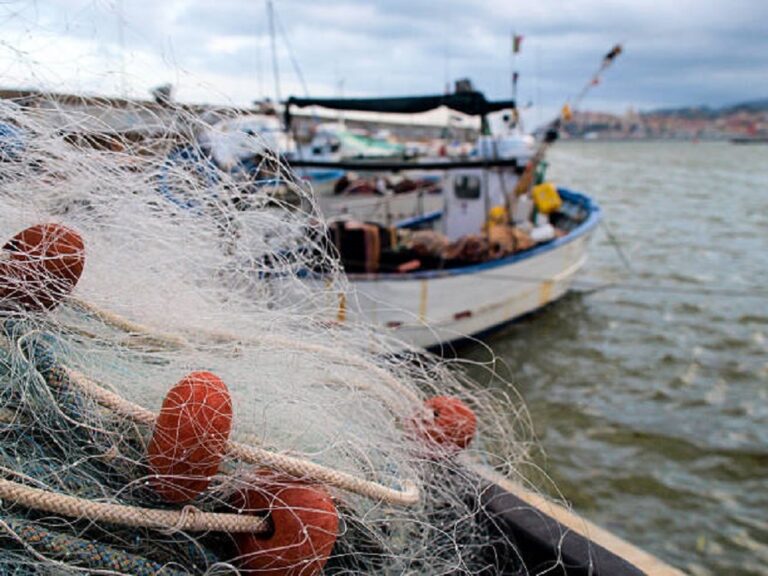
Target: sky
(677,53)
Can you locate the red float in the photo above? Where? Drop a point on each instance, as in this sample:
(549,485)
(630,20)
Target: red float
(190,436)
(304,525)
(449,423)
(40,266)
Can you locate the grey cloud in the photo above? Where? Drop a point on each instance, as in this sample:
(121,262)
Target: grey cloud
(682,52)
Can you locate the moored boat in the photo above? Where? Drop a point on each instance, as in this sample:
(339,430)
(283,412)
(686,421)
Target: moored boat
(539,536)
(749,140)
(434,306)
(369,198)
(500,247)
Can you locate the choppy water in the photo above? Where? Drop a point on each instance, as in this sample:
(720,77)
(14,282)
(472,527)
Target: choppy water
(651,401)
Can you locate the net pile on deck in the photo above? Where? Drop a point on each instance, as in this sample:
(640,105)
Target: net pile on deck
(177,395)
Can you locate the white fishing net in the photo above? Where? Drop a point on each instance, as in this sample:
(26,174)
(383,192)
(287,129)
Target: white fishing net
(189,267)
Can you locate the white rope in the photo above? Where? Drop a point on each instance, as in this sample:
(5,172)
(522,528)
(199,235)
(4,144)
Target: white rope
(253,455)
(189,519)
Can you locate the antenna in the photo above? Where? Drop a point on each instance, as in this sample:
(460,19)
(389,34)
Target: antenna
(515,47)
(340,85)
(514,75)
(539,114)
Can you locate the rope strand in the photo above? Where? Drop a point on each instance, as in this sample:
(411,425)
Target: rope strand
(189,519)
(252,455)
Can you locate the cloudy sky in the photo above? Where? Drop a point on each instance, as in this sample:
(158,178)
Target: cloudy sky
(679,52)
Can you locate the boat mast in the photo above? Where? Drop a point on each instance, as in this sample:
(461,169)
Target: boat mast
(260,64)
(514,76)
(515,47)
(121,43)
(526,181)
(273,45)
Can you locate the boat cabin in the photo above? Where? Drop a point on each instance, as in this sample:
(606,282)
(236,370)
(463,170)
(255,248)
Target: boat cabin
(468,196)
(481,220)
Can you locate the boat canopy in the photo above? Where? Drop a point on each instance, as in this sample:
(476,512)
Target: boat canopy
(472,103)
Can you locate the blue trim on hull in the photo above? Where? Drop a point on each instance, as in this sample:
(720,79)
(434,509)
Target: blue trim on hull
(319,175)
(592,220)
(427,218)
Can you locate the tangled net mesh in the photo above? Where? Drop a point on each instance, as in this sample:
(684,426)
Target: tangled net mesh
(192,267)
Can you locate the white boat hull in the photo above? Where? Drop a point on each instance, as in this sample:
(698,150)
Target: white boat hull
(431,308)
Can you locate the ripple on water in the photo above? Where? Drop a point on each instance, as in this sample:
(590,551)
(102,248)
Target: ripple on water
(651,405)
(761,319)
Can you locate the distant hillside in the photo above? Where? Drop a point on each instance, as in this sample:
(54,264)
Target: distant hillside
(751,106)
(709,113)
(743,120)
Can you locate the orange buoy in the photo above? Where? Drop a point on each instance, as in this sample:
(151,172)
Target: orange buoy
(304,525)
(190,436)
(449,423)
(40,266)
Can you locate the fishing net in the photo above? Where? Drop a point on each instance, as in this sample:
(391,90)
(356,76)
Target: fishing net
(185,384)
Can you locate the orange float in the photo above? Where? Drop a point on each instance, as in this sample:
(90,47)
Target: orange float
(448,423)
(40,266)
(190,437)
(304,526)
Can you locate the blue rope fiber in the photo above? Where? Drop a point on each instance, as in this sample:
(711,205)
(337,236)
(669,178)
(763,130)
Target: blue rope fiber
(78,552)
(12,143)
(52,433)
(188,159)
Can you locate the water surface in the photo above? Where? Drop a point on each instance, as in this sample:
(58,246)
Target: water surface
(650,399)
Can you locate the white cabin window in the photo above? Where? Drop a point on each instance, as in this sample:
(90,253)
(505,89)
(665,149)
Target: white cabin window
(467,187)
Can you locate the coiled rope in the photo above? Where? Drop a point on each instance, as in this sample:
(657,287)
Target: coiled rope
(189,519)
(73,550)
(253,455)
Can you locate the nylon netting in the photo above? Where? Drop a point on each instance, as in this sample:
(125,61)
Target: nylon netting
(190,267)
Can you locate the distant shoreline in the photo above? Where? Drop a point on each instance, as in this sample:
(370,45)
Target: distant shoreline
(644,140)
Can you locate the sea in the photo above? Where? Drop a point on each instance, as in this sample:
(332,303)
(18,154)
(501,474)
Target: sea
(648,384)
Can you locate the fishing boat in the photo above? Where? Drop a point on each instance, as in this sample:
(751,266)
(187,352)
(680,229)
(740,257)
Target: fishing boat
(496,247)
(749,140)
(397,185)
(334,141)
(441,306)
(554,540)
(237,146)
(429,300)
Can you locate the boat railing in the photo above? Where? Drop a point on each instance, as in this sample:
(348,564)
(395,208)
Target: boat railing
(384,166)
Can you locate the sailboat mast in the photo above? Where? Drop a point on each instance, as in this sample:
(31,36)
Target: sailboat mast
(121,44)
(273,44)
